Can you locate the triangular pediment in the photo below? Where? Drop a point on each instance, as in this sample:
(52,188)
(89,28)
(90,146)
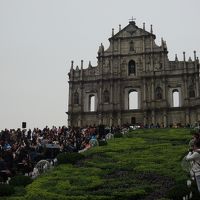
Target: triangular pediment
(131,30)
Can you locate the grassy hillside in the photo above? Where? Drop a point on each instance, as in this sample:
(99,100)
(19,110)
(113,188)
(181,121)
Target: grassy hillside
(144,164)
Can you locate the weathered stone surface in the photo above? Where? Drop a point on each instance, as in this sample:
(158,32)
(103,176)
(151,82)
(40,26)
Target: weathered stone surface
(134,63)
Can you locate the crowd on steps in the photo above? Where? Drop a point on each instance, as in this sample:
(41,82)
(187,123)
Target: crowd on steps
(22,149)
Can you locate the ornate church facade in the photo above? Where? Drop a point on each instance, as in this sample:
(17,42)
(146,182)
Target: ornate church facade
(134,82)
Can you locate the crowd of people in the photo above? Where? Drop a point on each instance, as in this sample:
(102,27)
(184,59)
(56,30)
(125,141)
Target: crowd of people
(21,149)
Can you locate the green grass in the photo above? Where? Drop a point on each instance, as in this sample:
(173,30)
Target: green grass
(144,164)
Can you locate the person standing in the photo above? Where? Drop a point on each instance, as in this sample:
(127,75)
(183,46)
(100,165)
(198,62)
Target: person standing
(194,158)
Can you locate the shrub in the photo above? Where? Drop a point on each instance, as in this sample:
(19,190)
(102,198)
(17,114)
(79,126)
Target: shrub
(64,158)
(194,131)
(6,190)
(102,142)
(20,180)
(133,195)
(118,135)
(42,196)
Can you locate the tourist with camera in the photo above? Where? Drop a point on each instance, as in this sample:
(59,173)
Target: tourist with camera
(194,157)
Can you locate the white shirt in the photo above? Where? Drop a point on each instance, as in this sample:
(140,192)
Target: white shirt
(194,157)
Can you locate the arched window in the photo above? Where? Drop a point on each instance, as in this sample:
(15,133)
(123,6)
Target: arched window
(158,93)
(175,98)
(131,67)
(133,100)
(91,103)
(106,96)
(76,98)
(191,91)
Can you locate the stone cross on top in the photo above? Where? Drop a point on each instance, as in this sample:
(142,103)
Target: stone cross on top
(132,19)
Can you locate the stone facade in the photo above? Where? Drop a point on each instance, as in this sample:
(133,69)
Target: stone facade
(166,92)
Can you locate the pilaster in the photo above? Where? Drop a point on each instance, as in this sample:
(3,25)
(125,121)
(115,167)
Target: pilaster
(153,117)
(165,119)
(187,116)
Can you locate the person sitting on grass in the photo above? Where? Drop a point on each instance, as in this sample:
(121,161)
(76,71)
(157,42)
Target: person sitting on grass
(194,157)
(85,146)
(93,141)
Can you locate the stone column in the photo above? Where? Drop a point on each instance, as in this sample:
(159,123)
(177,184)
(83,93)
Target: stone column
(82,104)
(119,46)
(164,88)
(111,66)
(145,118)
(185,101)
(111,121)
(152,65)
(185,79)
(81,70)
(153,117)
(143,44)
(100,118)
(100,86)
(101,67)
(187,116)
(143,56)
(144,88)
(70,98)
(79,122)
(152,90)
(119,121)
(184,63)
(185,86)
(100,102)
(111,94)
(151,49)
(119,88)
(81,91)
(163,56)
(165,119)
(144,94)
(197,85)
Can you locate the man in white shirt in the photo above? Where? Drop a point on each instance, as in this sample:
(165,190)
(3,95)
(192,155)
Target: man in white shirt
(194,157)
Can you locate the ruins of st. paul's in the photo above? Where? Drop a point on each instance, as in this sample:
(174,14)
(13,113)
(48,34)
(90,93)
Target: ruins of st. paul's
(165,92)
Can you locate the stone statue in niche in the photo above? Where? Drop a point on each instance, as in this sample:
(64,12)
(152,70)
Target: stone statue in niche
(106,66)
(158,93)
(106,96)
(132,46)
(192,80)
(192,87)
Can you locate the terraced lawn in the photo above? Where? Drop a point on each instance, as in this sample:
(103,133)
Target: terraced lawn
(144,164)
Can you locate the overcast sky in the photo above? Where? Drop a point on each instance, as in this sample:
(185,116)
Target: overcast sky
(39,38)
